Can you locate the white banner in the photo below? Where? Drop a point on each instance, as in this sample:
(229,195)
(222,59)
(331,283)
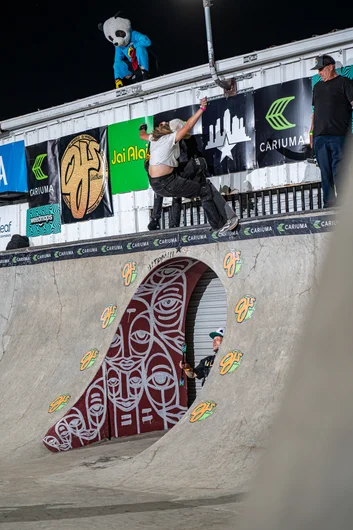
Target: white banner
(9,224)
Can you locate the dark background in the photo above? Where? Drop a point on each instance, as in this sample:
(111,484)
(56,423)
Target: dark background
(53,52)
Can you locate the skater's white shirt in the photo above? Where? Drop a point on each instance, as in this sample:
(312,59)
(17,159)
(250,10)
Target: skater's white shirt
(164,151)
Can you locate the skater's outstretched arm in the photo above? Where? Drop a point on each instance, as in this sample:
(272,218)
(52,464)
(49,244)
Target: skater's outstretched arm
(191,121)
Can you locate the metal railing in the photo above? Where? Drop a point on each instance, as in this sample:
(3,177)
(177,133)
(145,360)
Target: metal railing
(295,198)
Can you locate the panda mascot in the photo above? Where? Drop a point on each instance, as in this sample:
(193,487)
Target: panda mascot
(131,62)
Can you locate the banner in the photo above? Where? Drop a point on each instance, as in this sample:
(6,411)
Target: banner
(43,220)
(9,224)
(13,170)
(138,244)
(127,154)
(184,113)
(43,174)
(84,175)
(283,118)
(228,134)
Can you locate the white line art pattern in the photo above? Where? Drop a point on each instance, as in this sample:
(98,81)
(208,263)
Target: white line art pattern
(137,387)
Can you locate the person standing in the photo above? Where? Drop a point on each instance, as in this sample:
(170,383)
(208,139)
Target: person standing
(331,121)
(202,370)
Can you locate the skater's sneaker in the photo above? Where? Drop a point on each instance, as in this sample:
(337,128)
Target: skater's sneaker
(230,225)
(153,224)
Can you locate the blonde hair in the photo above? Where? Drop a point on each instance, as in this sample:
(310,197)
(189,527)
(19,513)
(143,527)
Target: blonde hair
(161,130)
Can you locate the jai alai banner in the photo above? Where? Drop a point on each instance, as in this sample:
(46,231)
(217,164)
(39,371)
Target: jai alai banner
(127,154)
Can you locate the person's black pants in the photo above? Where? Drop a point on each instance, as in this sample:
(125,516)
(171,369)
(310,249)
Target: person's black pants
(175,211)
(175,185)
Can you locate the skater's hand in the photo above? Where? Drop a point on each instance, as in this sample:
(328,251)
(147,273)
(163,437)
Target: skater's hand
(143,127)
(203,102)
(118,83)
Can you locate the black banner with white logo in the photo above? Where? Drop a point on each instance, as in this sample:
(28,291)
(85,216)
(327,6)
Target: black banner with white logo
(172,245)
(228,134)
(282,121)
(43,175)
(194,145)
(84,173)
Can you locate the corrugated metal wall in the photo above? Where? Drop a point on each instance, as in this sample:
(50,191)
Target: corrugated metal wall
(132,209)
(207,312)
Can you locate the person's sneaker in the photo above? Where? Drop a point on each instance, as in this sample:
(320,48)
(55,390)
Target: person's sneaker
(153,224)
(230,225)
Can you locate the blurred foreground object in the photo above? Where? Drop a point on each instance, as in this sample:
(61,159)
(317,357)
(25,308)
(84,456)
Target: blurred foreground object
(305,480)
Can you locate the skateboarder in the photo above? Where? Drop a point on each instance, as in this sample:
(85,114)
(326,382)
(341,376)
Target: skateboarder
(165,180)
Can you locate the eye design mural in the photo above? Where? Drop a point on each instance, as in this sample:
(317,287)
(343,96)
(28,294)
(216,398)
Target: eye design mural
(136,390)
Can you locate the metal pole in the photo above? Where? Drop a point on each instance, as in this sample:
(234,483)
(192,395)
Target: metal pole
(225,84)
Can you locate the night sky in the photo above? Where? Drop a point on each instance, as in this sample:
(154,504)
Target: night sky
(53,54)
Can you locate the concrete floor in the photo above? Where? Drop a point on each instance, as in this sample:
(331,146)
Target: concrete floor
(30,498)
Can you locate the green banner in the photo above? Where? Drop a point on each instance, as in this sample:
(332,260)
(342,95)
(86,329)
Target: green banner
(43,220)
(127,154)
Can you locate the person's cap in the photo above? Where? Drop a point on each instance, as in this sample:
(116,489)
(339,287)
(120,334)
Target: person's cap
(176,124)
(323,60)
(218,333)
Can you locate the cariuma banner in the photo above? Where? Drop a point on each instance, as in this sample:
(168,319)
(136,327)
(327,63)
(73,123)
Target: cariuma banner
(282,122)
(127,154)
(43,174)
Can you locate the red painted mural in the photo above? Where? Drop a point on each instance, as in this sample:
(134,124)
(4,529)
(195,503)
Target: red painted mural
(136,389)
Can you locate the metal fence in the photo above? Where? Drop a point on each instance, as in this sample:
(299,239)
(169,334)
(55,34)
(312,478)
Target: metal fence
(268,202)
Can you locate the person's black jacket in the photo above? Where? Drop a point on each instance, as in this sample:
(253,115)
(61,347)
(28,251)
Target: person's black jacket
(203,368)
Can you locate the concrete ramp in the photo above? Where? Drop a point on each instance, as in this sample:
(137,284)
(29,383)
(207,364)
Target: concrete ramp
(65,314)
(217,444)
(52,318)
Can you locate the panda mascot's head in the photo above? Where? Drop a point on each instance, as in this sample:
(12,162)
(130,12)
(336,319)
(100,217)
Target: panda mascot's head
(117,30)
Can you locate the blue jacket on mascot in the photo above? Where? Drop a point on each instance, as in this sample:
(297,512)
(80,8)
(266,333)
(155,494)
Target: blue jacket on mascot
(131,62)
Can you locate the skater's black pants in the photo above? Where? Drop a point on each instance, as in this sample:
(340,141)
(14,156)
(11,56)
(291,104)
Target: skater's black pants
(190,184)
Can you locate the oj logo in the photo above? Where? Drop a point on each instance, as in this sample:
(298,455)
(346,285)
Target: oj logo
(245,308)
(232,263)
(129,273)
(202,411)
(108,316)
(58,403)
(230,362)
(84,175)
(89,359)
